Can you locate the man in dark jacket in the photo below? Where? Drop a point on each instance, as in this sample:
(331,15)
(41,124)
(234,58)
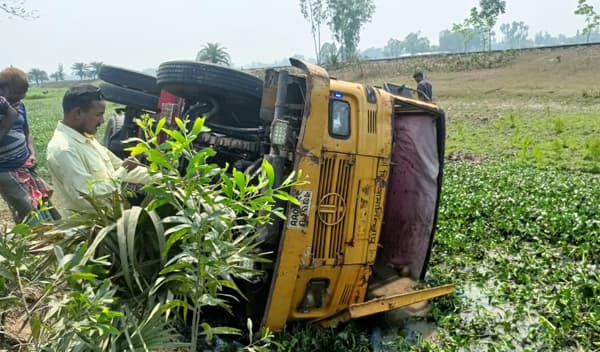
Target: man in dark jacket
(424,88)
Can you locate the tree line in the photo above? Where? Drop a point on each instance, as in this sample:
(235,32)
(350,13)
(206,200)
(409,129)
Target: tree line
(477,32)
(474,33)
(515,35)
(80,69)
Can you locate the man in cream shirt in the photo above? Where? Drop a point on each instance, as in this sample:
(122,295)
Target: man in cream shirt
(78,163)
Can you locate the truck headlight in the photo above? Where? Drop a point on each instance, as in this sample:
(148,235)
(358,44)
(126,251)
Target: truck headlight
(280,132)
(315,295)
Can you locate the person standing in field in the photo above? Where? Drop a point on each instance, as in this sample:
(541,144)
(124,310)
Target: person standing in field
(424,88)
(79,165)
(20,186)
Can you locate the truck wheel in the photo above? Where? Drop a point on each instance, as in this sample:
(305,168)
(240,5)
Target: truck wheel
(193,80)
(129,97)
(113,126)
(129,79)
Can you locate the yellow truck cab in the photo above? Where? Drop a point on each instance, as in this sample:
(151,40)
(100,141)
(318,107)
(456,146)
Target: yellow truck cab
(373,161)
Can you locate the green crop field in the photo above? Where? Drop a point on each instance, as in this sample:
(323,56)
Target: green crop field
(519,223)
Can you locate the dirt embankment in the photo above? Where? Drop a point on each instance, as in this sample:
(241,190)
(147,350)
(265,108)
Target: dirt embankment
(561,71)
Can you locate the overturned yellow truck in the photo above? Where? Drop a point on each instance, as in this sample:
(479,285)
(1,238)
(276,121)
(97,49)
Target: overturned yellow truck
(373,158)
(374,161)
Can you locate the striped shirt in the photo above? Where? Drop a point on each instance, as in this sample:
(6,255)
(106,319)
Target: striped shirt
(13,147)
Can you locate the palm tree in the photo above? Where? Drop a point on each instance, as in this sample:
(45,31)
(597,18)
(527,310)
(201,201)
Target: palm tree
(214,53)
(59,75)
(80,69)
(94,68)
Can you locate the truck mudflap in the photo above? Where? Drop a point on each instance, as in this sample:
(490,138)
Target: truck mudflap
(386,303)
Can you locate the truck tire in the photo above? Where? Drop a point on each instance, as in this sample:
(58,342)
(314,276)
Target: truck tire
(129,97)
(113,126)
(193,80)
(129,79)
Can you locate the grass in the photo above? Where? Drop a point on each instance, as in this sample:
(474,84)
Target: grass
(566,141)
(519,226)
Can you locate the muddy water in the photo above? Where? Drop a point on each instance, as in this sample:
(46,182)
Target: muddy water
(480,307)
(477,308)
(412,330)
(408,322)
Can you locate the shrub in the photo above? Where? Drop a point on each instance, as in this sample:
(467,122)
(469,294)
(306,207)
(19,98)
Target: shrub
(108,280)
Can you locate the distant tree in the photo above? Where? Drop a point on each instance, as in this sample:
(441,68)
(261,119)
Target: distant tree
(544,39)
(80,69)
(93,68)
(60,73)
(393,48)
(594,36)
(592,18)
(415,43)
(44,76)
(450,41)
(373,53)
(346,19)
(15,8)
(489,12)
(330,55)
(315,12)
(37,75)
(214,53)
(466,30)
(563,39)
(515,34)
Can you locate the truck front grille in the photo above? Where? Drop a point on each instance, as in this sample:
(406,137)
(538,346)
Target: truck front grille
(332,207)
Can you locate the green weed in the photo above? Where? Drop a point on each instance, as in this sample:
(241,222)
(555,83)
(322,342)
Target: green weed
(525,149)
(509,121)
(123,277)
(591,94)
(348,337)
(521,244)
(558,125)
(592,147)
(514,138)
(36,96)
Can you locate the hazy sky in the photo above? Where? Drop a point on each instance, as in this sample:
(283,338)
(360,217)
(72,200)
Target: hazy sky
(139,34)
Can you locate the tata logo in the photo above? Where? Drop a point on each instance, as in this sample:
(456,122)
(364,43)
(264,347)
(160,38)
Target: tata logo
(331,209)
